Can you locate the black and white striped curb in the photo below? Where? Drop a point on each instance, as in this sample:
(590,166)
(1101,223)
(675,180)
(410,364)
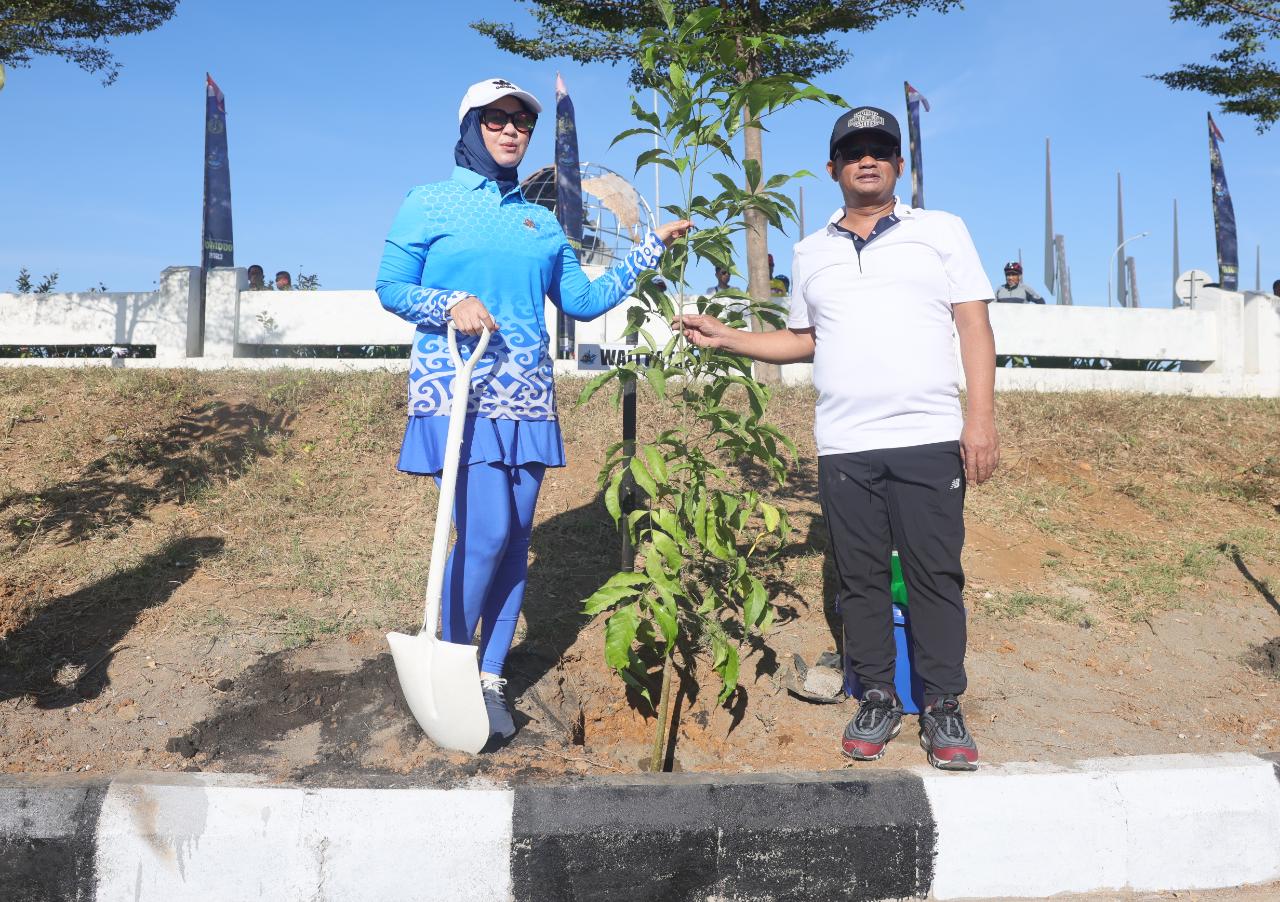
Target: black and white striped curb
(1147,823)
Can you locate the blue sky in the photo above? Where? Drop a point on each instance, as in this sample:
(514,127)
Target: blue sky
(333,115)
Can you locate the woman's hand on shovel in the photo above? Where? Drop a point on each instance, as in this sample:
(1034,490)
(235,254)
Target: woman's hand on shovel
(471,317)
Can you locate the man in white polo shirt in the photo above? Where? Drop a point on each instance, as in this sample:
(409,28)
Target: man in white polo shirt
(878,296)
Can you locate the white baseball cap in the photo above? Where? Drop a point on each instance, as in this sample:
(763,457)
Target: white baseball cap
(483,93)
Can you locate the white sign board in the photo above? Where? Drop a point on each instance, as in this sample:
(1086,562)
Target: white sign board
(1189,283)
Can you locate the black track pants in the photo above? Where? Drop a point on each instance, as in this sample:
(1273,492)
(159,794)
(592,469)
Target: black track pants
(911,499)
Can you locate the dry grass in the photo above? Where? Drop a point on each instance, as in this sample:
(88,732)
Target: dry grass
(303,530)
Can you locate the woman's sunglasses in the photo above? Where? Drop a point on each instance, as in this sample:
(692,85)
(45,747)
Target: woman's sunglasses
(496,120)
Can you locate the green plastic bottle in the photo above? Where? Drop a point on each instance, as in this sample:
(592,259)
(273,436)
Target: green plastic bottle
(897,587)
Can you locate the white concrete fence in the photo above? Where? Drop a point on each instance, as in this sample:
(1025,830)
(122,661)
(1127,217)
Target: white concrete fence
(1229,343)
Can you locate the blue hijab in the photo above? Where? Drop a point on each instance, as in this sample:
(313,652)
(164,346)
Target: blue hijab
(470,153)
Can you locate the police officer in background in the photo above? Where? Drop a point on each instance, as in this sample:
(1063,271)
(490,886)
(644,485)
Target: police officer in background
(1013,291)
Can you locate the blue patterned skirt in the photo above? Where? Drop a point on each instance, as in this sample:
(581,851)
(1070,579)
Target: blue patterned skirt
(509,442)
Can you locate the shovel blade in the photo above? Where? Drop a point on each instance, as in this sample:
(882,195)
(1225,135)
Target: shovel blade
(441,682)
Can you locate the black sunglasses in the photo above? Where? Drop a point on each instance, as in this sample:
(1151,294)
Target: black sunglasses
(496,120)
(851,153)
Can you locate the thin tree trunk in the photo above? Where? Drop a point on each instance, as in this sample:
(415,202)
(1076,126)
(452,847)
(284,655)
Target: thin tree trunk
(758,255)
(660,731)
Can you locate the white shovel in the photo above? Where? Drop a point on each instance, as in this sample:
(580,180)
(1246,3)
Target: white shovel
(441,680)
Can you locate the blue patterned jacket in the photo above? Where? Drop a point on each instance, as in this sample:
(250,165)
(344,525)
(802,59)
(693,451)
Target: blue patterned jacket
(461,237)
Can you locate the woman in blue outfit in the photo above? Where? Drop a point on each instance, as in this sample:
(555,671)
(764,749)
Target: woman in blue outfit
(473,251)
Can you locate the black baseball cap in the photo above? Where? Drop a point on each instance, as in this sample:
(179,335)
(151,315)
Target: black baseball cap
(864,118)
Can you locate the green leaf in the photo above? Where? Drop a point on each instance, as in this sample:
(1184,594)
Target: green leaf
(606,597)
(649,156)
(667,547)
(669,523)
(752,170)
(612,499)
(595,385)
(626,578)
(657,464)
(700,520)
(771,516)
(642,478)
(657,378)
(697,22)
(619,633)
(757,601)
(725,662)
(666,619)
(631,132)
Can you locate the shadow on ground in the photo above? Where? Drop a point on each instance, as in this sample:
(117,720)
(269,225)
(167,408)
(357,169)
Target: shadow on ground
(63,655)
(350,707)
(132,476)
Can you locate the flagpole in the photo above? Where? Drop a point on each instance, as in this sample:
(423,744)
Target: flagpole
(915,100)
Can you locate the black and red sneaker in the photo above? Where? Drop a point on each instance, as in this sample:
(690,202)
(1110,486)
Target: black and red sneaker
(878,720)
(945,737)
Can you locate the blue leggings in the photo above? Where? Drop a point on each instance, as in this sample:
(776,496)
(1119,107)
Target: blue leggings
(484,578)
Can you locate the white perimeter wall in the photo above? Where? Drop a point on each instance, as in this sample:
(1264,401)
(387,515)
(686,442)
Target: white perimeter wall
(1230,342)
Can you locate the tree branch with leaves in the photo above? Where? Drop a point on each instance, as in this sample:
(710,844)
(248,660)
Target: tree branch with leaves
(1244,79)
(75,30)
(613,31)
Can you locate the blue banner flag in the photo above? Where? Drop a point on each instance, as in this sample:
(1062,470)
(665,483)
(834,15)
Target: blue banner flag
(1224,214)
(216,245)
(915,100)
(568,198)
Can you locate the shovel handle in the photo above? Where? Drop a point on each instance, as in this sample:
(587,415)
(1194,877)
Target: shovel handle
(449,478)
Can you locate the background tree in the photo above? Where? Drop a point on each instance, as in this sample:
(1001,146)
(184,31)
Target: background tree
(25,285)
(609,31)
(75,30)
(1246,81)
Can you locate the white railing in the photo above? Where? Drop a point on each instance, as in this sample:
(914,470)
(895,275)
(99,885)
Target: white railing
(1229,343)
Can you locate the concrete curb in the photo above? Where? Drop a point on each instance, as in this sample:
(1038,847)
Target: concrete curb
(1146,823)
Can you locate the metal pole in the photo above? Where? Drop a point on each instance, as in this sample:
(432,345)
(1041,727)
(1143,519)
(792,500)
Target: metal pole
(1118,265)
(657,170)
(1113,262)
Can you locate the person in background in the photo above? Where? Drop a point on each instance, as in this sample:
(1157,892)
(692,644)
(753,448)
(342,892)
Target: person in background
(257,278)
(1275,288)
(472,250)
(284,281)
(1014,290)
(722,282)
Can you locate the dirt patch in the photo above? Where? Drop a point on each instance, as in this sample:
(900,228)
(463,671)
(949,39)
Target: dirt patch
(1265,658)
(197,570)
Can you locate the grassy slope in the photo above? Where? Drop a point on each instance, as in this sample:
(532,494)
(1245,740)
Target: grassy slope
(272,498)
